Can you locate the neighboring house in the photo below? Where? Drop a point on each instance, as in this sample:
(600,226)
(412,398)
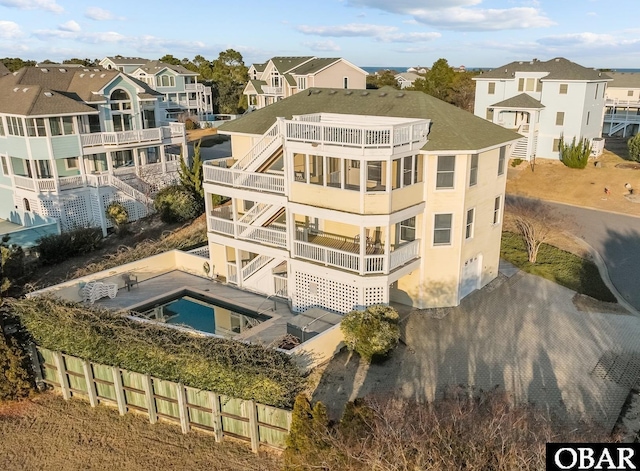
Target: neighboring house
(622,116)
(418,70)
(74,140)
(406,79)
(343,198)
(281,77)
(123,64)
(544,100)
(178,85)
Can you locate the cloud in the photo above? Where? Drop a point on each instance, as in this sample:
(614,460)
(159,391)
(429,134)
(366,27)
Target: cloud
(349,30)
(378,32)
(9,30)
(461,15)
(100,14)
(89,37)
(47,5)
(323,46)
(70,26)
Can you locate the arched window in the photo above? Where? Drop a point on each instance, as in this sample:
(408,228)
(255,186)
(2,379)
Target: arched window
(121,110)
(26,204)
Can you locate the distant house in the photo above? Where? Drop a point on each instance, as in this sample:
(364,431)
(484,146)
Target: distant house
(74,140)
(123,64)
(418,70)
(544,100)
(406,79)
(622,116)
(281,77)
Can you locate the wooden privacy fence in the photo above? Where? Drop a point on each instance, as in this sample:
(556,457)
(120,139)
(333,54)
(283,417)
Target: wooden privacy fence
(159,399)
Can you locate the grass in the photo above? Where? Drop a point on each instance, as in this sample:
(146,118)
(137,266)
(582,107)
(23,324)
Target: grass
(559,266)
(50,433)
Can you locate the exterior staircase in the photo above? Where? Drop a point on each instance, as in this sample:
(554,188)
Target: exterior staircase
(258,275)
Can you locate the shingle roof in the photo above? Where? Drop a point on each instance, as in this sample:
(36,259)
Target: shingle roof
(119,60)
(34,91)
(285,64)
(410,76)
(290,79)
(624,80)
(4,70)
(153,67)
(452,128)
(258,84)
(260,67)
(314,65)
(519,101)
(558,68)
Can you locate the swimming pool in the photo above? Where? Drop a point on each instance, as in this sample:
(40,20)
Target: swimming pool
(200,312)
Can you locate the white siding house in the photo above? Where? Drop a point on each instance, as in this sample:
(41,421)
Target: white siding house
(543,101)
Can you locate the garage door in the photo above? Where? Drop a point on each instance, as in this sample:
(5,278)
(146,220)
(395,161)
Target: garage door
(470,276)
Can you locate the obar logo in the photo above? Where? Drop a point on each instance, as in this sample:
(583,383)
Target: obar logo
(586,456)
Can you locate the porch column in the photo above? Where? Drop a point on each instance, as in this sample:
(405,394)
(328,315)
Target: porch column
(109,163)
(363,248)
(234,210)
(54,173)
(136,164)
(238,268)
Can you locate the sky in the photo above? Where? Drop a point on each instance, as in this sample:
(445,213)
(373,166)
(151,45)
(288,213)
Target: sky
(385,33)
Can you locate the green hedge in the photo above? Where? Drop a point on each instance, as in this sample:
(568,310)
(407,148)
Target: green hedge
(56,248)
(227,367)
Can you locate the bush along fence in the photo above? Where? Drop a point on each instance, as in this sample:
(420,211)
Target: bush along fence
(193,409)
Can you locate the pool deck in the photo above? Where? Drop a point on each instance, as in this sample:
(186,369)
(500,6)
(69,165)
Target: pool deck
(159,286)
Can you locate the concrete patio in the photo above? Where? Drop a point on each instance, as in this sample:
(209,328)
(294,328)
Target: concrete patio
(522,333)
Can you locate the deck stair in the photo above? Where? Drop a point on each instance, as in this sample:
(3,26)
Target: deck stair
(263,151)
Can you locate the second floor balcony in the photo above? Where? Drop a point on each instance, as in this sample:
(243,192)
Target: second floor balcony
(272,90)
(159,135)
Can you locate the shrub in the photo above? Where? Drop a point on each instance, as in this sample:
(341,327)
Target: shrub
(118,215)
(307,437)
(236,369)
(575,155)
(191,124)
(56,248)
(175,204)
(634,147)
(12,265)
(516,162)
(372,333)
(15,380)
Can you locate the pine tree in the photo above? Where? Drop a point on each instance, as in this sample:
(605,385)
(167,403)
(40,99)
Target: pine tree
(191,176)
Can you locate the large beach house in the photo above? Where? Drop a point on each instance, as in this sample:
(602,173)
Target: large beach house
(179,86)
(74,140)
(622,116)
(544,100)
(343,198)
(281,77)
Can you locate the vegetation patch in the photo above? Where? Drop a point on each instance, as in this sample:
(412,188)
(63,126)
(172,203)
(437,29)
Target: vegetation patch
(176,204)
(485,432)
(557,265)
(371,333)
(192,235)
(56,248)
(576,154)
(225,366)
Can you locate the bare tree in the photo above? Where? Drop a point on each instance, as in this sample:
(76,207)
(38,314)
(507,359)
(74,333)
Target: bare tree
(534,221)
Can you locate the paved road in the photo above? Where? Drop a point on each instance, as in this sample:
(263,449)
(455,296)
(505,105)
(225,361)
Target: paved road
(616,238)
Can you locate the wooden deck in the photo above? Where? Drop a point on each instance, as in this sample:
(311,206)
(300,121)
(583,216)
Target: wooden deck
(346,245)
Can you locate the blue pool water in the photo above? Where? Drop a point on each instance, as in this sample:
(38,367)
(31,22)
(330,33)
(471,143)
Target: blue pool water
(197,311)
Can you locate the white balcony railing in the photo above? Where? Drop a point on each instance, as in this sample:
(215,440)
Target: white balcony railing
(272,90)
(404,253)
(68,183)
(192,87)
(366,137)
(98,139)
(328,256)
(232,273)
(261,234)
(221,226)
(281,285)
(24,182)
(241,179)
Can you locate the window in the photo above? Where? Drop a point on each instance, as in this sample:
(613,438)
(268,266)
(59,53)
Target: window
(473,173)
(300,168)
(446,169)
(489,114)
(588,116)
(521,85)
(374,176)
(501,160)
(61,126)
(302,83)
(406,171)
(408,230)
(1,127)
(316,169)
(333,172)
(629,92)
(5,167)
(36,127)
(595,95)
(559,118)
(71,163)
(538,85)
(166,81)
(442,229)
(26,205)
(496,210)
(492,88)
(42,169)
(351,174)
(395,173)
(531,84)
(556,145)
(417,168)
(468,234)
(564,88)
(345,82)
(15,126)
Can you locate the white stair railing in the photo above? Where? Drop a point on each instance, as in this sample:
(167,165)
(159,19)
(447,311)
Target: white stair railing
(130,191)
(260,149)
(253,213)
(255,265)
